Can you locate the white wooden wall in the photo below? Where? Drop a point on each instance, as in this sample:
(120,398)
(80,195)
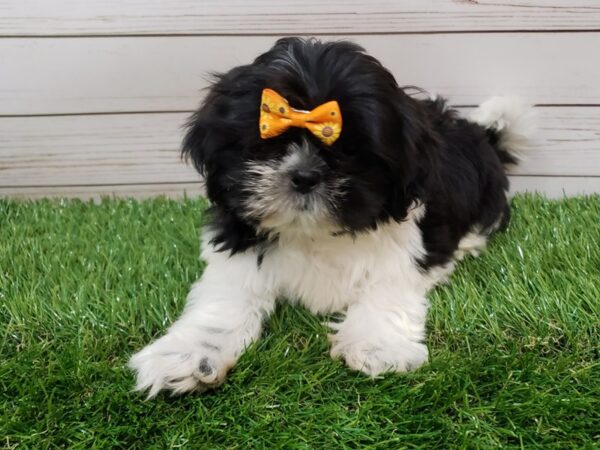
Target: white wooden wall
(93,93)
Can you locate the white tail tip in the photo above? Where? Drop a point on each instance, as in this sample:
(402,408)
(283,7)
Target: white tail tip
(513,120)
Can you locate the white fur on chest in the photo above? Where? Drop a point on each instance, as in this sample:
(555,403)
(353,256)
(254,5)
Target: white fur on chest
(328,273)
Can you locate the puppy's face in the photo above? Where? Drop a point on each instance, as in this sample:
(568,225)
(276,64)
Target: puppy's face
(294,181)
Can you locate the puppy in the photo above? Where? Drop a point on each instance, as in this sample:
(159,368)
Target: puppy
(332,187)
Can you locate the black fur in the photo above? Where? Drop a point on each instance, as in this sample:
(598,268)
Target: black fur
(393,150)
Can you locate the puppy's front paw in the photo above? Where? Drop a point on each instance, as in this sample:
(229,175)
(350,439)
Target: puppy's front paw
(376,358)
(171,364)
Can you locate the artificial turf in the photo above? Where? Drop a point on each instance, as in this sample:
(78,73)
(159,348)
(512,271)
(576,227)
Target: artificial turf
(514,342)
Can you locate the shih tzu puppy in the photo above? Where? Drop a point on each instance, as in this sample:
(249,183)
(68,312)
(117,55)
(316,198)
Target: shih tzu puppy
(332,187)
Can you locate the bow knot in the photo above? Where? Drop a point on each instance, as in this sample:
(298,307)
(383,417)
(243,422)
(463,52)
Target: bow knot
(276,116)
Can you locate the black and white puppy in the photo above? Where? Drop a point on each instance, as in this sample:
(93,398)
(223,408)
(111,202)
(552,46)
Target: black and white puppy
(366,226)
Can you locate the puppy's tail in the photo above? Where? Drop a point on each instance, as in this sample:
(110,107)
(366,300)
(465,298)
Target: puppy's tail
(510,124)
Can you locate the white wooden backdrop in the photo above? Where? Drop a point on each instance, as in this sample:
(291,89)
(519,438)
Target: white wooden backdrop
(93,93)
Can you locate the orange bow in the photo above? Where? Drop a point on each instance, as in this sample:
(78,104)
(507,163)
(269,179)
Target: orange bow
(276,116)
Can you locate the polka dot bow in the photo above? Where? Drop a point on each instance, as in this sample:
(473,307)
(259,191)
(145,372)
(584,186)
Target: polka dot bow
(276,116)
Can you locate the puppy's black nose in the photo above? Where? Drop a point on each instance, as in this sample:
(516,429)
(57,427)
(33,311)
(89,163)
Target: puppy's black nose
(305,181)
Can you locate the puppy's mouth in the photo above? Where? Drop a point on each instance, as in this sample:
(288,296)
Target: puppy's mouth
(296,192)
(290,210)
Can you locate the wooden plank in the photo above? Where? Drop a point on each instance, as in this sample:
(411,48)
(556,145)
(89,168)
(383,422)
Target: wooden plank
(117,17)
(144,148)
(82,75)
(169,190)
(567,142)
(92,150)
(555,187)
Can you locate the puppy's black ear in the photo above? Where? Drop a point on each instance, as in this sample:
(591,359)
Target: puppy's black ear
(227,117)
(197,141)
(405,144)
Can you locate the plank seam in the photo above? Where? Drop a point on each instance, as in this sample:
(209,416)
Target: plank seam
(190,111)
(303,34)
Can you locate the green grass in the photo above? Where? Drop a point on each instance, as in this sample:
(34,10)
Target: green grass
(514,342)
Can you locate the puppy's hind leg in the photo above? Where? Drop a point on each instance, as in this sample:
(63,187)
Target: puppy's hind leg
(473,243)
